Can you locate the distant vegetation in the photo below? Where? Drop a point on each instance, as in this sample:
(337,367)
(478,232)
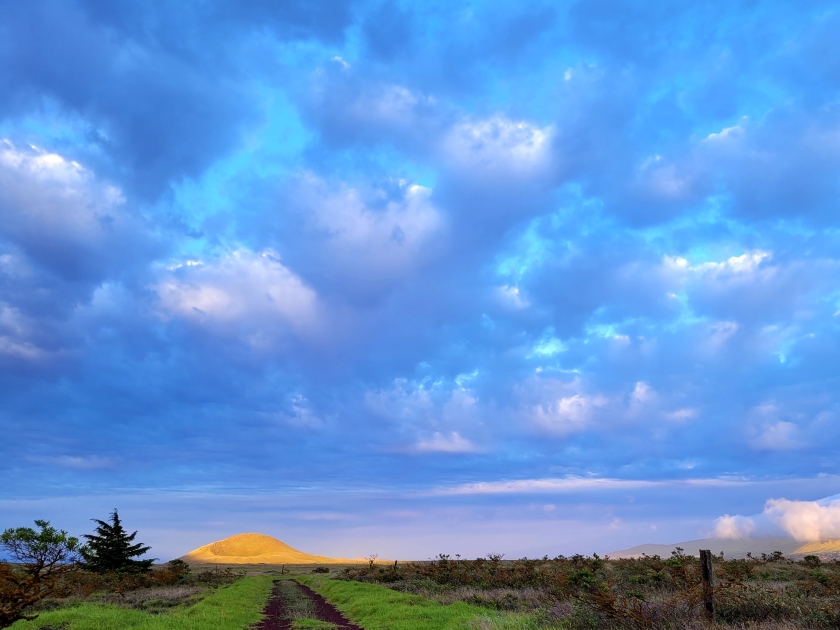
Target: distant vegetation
(580,592)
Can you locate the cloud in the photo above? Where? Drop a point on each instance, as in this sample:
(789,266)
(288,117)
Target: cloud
(779,436)
(806,521)
(548,250)
(733,527)
(495,150)
(63,217)
(569,414)
(440,443)
(579,484)
(363,243)
(254,293)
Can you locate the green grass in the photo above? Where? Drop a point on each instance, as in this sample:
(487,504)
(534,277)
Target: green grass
(378,608)
(312,624)
(233,607)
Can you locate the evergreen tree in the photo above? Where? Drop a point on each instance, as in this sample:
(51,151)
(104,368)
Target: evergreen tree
(112,549)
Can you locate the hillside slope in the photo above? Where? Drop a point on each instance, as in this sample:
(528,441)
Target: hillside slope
(730,548)
(253,548)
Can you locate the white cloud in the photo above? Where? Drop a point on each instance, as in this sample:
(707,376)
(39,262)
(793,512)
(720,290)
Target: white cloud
(56,209)
(664,181)
(778,436)
(386,111)
(643,394)
(499,147)
(244,287)
(557,407)
(373,239)
(681,415)
(16,333)
(301,414)
(405,402)
(511,297)
(576,484)
(806,521)
(450,443)
(570,414)
(438,414)
(725,134)
(734,527)
(746,263)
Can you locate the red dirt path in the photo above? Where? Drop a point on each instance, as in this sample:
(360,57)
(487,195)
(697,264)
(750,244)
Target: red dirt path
(275,610)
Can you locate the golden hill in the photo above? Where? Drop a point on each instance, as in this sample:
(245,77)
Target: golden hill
(825,546)
(255,549)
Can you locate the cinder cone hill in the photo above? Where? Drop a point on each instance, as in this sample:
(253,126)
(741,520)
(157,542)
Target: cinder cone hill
(816,548)
(254,549)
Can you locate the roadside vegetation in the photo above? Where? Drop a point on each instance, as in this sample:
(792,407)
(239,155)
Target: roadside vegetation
(577,593)
(50,579)
(234,606)
(376,608)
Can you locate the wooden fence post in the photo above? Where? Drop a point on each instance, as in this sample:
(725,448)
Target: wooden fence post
(708,577)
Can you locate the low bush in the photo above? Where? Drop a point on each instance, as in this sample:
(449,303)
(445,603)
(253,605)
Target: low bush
(581,592)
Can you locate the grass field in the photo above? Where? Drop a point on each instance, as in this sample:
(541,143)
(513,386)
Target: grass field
(232,607)
(377,608)
(587,593)
(577,593)
(238,606)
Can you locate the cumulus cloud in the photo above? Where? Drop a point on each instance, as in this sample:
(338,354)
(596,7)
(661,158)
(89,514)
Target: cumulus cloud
(17,334)
(806,521)
(253,291)
(497,149)
(564,408)
(734,527)
(364,243)
(349,109)
(569,414)
(438,414)
(63,217)
(779,436)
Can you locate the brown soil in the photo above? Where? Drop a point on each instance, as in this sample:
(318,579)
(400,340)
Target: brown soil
(276,614)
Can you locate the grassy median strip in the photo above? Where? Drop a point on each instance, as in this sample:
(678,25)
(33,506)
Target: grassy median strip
(231,607)
(378,608)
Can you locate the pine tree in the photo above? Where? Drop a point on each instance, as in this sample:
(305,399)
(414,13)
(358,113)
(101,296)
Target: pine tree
(112,549)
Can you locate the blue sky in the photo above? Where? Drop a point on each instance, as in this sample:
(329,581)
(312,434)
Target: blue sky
(411,278)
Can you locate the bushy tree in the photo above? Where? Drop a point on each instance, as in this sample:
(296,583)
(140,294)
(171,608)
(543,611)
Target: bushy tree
(42,560)
(111,548)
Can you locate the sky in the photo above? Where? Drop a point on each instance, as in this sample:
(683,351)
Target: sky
(418,278)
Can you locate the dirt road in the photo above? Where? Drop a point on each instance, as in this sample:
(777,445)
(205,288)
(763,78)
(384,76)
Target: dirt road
(290,600)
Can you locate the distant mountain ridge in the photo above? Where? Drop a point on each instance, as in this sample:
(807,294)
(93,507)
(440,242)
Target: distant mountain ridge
(825,547)
(731,548)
